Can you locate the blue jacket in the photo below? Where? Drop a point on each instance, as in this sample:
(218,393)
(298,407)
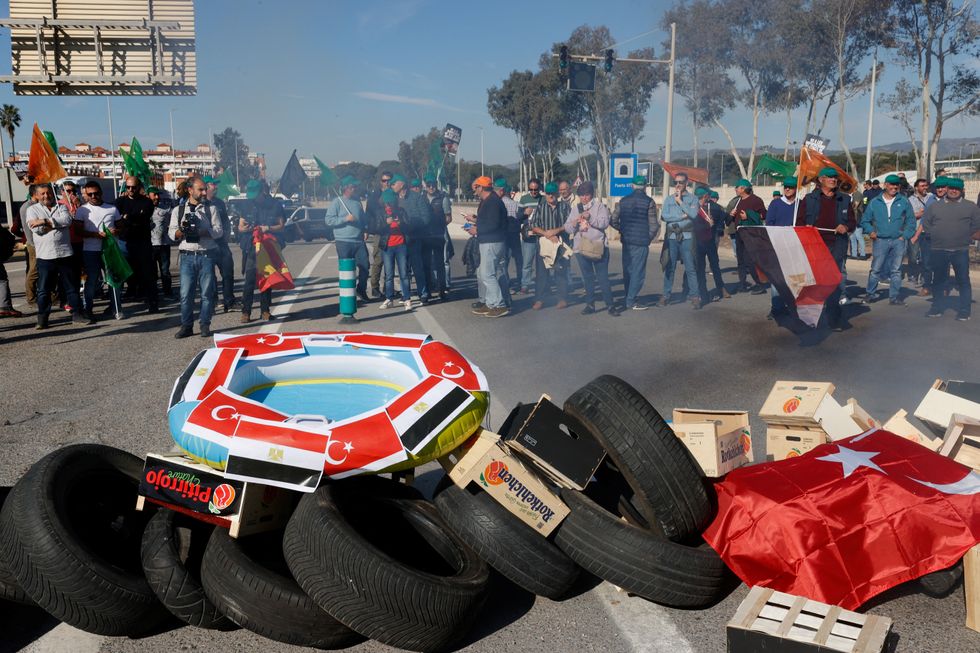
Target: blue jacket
(337,218)
(899,223)
(680,218)
(634,218)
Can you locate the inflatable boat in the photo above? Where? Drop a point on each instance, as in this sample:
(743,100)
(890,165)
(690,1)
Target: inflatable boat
(279,406)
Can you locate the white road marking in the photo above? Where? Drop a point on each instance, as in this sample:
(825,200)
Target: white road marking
(646,626)
(66,638)
(282,309)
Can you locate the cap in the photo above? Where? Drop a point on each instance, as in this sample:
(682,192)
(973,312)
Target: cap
(253,188)
(828,172)
(790,182)
(389,196)
(395,179)
(893,179)
(745,183)
(639,180)
(954,182)
(500,182)
(429,179)
(714,195)
(483,181)
(348,180)
(776,193)
(550,188)
(585,188)
(876,182)
(701,190)
(152,189)
(941,182)
(208,179)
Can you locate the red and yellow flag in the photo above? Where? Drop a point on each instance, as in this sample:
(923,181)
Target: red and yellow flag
(694,174)
(43,166)
(271,271)
(812,162)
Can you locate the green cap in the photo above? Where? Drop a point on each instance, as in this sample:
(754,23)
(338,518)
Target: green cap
(745,183)
(208,179)
(500,182)
(714,195)
(551,188)
(253,188)
(429,179)
(790,181)
(349,180)
(415,183)
(395,179)
(954,182)
(776,193)
(639,180)
(700,191)
(893,179)
(941,182)
(828,172)
(389,196)
(152,189)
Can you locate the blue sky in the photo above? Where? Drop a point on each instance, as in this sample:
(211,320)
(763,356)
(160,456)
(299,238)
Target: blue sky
(349,80)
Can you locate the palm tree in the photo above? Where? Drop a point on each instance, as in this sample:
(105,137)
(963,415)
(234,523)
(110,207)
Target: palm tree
(10,120)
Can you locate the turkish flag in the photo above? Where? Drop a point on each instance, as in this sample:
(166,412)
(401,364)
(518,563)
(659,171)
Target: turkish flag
(443,360)
(386,340)
(216,417)
(363,444)
(847,520)
(263,345)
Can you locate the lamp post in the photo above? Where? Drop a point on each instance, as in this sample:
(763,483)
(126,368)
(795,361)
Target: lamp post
(721,170)
(481,150)
(707,164)
(173,148)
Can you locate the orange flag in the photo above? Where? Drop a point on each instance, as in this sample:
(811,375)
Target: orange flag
(812,162)
(694,174)
(43,166)
(271,271)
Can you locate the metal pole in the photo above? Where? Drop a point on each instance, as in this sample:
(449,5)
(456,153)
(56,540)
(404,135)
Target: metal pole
(670,104)
(7,200)
(238,181)
(871,116)
(481,152)
(112,151)
(173,147)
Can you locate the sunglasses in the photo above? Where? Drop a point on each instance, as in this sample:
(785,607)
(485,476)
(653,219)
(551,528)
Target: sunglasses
(72,191)
(130,187)
(680,183)
(385,181)
(534,190)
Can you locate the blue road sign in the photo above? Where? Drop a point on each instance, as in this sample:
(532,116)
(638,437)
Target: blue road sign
(622,169)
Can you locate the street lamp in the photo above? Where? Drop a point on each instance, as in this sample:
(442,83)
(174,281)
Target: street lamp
(173,149)
(721,170)
(481,150)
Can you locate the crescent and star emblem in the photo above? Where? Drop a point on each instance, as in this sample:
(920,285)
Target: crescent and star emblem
(852,460)
(216,413)
(265,341)
(452,375)
(347,447)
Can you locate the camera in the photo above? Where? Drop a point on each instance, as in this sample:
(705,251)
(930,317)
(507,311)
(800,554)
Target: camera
(190,226)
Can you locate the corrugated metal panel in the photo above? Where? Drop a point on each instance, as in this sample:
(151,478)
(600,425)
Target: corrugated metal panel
(125,52)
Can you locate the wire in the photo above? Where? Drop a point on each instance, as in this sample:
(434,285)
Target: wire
(639,36)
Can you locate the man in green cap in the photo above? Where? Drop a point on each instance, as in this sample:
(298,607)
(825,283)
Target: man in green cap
(437,237)
(376,223)
(261,211)
(224,261)
(706,234)
(160,240)
(781,213)
(832,212)
(952,224)
(547,222)
(920,245)
(749,211)
(418,217)
(346,218)
(890,223)
(680,209)
(635,217)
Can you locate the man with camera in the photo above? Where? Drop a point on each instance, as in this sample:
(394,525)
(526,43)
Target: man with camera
(264,213)
(196,225)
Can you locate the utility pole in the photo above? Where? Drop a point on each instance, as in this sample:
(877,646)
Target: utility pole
(871,117)
(481,151)
(670,105)
(238,182)
(112,151)
(173,147)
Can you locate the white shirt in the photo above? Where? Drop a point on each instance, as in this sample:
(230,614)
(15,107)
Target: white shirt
(56,243)
(92,219)
(888,203)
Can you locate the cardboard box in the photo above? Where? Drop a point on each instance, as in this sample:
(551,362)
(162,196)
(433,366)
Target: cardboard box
(784,442)
(962,441)
(808,404)
(484,461)
(719,440)
(860,416)
(939,404)
(776,622)
(900,425)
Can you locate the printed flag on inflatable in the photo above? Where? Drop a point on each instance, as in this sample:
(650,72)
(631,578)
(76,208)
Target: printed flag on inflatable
(278,453)
(848,520)
(271,272)
(216,417)
(799,265)
(43,165)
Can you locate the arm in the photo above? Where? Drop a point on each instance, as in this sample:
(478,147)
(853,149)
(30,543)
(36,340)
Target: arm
(689,206)
(851,221)
(867,220)
(614,221)
(801,213)
(571,224)
(599,218)
(910,226)
(214,224)
(336,216)
(61,218)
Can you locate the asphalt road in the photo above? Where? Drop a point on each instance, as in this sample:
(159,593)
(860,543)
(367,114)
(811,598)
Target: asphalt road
(110,384)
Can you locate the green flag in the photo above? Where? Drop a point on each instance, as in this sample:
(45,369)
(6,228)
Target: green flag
(134,163)
(327,176)
(774,166)
(226,186)
(435,160)
(117,269)
(49,137)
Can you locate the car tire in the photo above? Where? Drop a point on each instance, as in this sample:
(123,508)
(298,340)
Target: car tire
(9,588)
(669,489)
(172,550)
(71,535)
(940,584)
(248,581)
(517,551)
(637,560)
(378,557)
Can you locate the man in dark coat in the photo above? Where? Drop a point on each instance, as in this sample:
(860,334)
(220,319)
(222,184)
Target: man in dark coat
(635,217)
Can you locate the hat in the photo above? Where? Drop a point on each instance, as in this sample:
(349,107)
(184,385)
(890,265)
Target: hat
(876,182)
(639,180)
(585,188)
(954,182)
(701,190)
(828,172)
(714,194)
(941,182)
(745,183)
(500,182)
(483,181)
(415,183)
(893,179)
(349,180)
(790,181)
(395,179)
(550,188)
(389,196)
(153,189)
(208,179)
(253,188)
(776,193)
(429,179)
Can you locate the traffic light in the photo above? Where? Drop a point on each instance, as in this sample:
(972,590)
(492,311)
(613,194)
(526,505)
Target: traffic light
(609,61)
(563,57)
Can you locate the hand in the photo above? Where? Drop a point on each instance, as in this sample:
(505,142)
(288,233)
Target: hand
(264,229)
(873,235)
(585,216)
(841,229)
(350,218)
(553,239)
(528,211)
(914,239)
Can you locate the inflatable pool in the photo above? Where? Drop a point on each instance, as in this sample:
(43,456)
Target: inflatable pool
(286,408)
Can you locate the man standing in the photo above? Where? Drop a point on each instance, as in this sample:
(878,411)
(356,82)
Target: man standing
(51,224)
(264,213)
(951,223)
(635,217)
(490,230)
(749,211)
(196,225)
(831,211)
(889,222)
(225,261)
(418,217)
(434,246)
(160,240)
(347,219)
(515,216)
(30,283)
(95,216)
(919,247)
(376,218)
(706,236)
(136,219)
(679,212)
(531,202)
(547,223)
(781,213)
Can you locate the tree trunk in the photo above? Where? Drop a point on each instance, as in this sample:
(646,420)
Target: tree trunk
(734,151)
(694,131)
(756,111)
(789,125)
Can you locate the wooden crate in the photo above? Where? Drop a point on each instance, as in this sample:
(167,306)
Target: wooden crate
(775,622)
(962,441)
(971,585)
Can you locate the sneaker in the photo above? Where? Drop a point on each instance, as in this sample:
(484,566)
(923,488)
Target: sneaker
(407,304)
(11,313)
(500,311)
(267,316)
(525,291)
(537,306)
(477,305)
(482,309)
(184,332)
(614,310)
(443,295)
(205,331)
(639,307)
(758,289)
(696,303)
(363,297)
(962,317)
(897,302)
(589,309)
(386,304)
(561,304)
(934,314)
(664,300)
(246,318)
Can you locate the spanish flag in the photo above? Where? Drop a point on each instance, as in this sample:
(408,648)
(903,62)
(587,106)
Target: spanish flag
(271,271)
(43,166)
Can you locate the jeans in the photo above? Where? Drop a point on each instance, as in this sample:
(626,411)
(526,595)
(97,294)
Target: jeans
(433,253)
(515,251)
(248,288)
(940,262)
(161,260)
(198,270)
(542,279)
(596,270)
(377,259)
(634,270)
(707,254)
(225,263)
(49,274)
(5,303)
(745,266)
(857,243)
(529,250)
(356,250)
(886,260)
(92,262)
(418,267)
(832,307)
(397,255)
(447,254)
(681,250)
(920,266)
(492,275)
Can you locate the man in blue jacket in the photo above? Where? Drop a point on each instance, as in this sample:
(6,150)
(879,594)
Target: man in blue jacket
(890,222)
(679,211)
(347,219)
(636,219)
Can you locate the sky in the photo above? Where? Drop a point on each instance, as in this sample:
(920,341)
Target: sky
(349,80)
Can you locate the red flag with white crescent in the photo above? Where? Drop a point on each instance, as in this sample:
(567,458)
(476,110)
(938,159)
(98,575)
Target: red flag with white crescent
(216,417)
(365,444)
(848,520)
(215,368)
(443,360)
(264,345)
(387,340)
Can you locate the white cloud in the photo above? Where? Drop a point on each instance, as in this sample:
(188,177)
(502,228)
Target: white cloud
(388,16)
(404,99)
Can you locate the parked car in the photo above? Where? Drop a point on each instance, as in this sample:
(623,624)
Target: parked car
(307,223)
